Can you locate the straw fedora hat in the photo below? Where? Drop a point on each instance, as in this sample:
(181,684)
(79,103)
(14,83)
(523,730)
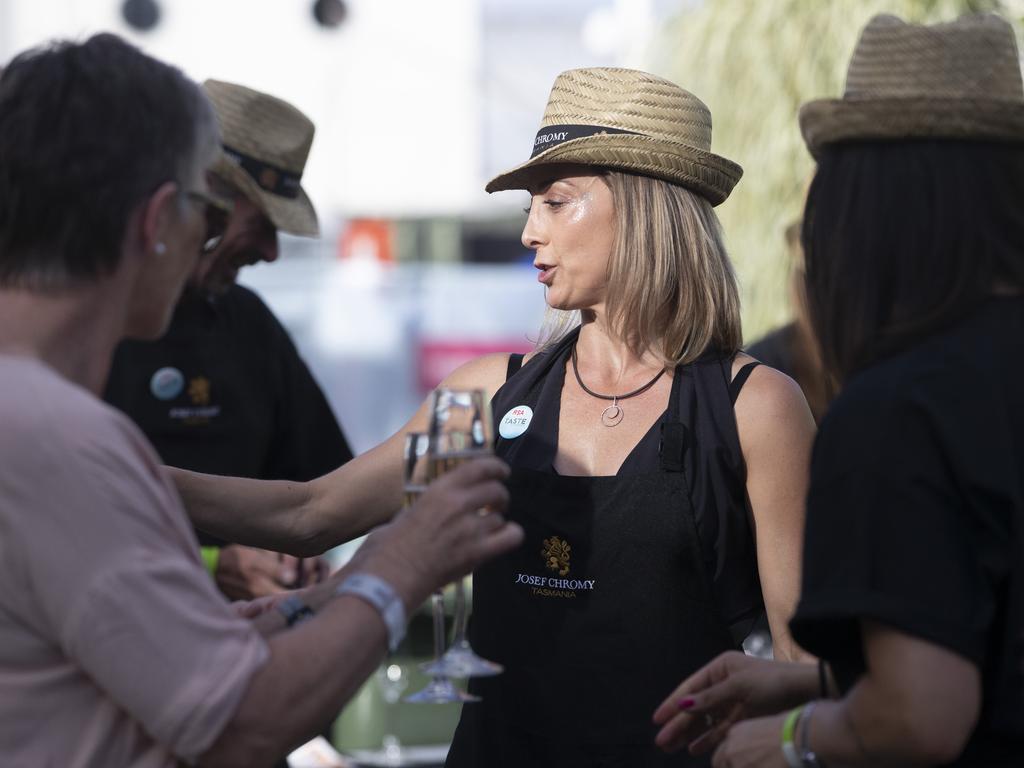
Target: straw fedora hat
(266,143)
(958,80)
(629,121)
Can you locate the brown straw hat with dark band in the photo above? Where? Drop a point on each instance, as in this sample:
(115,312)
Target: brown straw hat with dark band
(629,121)
(958,80)
(266,143)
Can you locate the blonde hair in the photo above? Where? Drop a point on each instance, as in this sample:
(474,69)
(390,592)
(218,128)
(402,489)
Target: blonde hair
(671,287)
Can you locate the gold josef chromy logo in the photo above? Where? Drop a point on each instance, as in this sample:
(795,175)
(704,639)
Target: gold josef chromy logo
(200,411)
(199,390)
(555,552)
(556,555)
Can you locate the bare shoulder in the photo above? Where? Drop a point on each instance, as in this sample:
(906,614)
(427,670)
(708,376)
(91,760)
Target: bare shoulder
(487,372)
(770,403)
(766,388)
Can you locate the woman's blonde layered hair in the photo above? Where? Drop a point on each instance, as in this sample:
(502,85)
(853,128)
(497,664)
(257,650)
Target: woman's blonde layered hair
(671,287)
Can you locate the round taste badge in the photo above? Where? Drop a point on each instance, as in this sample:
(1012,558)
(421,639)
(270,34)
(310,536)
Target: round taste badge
(515,422)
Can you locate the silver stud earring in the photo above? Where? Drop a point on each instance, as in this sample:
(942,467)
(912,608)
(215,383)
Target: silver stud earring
(160,249)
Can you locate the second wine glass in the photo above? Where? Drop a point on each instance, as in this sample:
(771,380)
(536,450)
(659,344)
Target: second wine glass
(460,430)
(416,472)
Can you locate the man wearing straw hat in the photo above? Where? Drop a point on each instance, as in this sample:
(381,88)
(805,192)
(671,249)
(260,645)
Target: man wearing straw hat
(224,391)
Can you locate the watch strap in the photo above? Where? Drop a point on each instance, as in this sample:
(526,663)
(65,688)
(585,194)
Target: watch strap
(294,610)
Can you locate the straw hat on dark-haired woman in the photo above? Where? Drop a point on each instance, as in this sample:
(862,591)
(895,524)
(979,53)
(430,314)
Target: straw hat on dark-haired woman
(645,450)
(913,584)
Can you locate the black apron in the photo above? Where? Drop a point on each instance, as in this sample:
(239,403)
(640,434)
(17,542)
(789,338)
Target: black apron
(604,609)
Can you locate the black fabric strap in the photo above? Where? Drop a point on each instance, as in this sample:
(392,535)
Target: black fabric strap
(674,437)
(515,362)
(275,180)
(740,379)
(552,135)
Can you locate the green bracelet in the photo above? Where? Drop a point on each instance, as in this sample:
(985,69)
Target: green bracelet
(789,750)
(211,556)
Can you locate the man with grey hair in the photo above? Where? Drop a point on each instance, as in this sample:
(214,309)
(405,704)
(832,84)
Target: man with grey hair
(224,391)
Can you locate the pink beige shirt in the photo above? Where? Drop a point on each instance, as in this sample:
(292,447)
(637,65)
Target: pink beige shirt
(115,647)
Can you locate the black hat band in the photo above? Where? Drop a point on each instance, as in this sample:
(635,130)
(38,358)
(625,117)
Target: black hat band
(552,135)
(269,178)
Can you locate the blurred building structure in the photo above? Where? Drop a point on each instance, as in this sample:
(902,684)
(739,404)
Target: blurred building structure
(416,105)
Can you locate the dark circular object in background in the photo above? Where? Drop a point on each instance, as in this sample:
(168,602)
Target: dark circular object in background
(330,13)
(141,15)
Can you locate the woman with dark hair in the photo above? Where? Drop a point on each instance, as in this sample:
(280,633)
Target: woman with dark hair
(913,582)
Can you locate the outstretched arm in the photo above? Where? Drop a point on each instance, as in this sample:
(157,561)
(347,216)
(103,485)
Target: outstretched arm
(309,518)
(298,518)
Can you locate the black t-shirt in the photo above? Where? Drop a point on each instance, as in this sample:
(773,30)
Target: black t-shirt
(225,392)
(916,515)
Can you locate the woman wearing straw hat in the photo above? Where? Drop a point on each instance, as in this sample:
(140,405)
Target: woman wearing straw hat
(641,451)
(640,470)
(913,586)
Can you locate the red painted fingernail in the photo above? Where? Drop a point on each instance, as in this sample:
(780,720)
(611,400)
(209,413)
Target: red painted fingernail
(685,703)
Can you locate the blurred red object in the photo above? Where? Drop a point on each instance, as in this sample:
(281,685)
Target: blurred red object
(367,240)
(436,359)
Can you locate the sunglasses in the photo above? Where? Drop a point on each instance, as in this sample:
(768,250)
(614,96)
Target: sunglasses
(217,213)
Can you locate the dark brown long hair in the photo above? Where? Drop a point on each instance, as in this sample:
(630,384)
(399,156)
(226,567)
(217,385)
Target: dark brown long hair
(903,238)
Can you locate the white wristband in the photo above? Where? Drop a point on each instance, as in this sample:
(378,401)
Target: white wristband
(381,596)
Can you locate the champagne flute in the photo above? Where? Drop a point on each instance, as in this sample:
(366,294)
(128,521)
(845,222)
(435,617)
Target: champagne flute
(460,430)
(415,474)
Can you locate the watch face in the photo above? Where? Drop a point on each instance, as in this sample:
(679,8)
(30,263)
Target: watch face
(294,610)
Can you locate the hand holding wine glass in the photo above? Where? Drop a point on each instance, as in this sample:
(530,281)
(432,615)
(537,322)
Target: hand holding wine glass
(460,430)
(416,471)
(441,537)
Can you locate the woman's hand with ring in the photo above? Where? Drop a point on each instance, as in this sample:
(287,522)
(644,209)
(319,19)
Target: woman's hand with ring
(730,688)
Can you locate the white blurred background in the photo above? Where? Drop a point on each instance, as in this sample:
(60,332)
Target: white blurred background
(418,102)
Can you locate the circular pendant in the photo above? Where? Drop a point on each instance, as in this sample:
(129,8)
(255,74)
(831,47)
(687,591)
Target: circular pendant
(611,415)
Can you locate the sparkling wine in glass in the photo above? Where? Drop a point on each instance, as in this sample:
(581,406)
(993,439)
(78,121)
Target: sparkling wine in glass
(416,472)
(460,430)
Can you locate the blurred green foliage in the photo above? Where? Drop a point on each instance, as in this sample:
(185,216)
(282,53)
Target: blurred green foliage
(753,62)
